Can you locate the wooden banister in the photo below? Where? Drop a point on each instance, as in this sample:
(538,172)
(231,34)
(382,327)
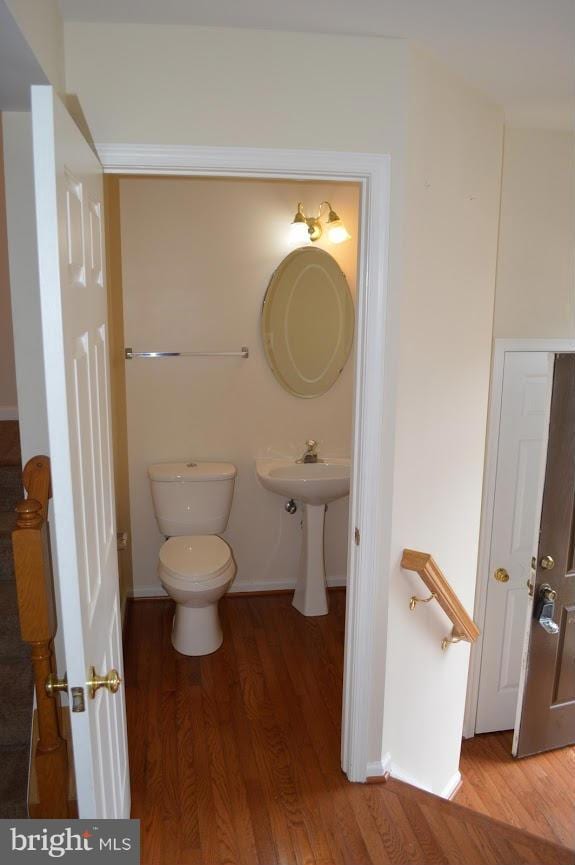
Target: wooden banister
(37,613)
(37,482)
(464,628)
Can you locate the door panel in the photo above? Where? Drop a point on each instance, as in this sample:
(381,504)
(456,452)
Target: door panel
(68,186)
(547,716)
(522,432)
(564,691)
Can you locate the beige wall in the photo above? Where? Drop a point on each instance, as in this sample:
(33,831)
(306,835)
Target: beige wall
(452,202)
(205,85)
(536,262)
(254,88)
(197,256)
(41,25)
(213,86)
(8,399)
(218,86)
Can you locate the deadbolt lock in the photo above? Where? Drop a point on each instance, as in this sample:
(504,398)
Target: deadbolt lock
(111,681)
(545,609)
(547,592)
(501,575)
(547,563)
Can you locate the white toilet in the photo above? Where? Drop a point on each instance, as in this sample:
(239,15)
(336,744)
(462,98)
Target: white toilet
(192,503)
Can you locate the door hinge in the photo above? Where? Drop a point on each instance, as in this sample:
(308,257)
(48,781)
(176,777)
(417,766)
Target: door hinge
(357,536)
(122,540)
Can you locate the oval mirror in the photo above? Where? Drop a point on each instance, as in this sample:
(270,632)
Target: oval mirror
(307,322)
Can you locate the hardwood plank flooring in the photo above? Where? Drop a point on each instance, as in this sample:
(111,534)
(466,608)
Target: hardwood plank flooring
(535,793)
(235,757)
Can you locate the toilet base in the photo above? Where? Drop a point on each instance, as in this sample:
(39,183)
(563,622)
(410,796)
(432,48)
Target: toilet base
(197,630)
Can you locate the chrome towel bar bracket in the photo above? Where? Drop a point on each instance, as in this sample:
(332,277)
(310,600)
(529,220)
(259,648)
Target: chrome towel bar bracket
(130,354)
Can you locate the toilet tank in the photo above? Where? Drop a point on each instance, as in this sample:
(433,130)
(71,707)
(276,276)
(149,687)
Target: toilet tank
(192,498)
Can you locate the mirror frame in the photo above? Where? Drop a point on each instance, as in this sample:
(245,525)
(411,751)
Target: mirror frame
(344,296)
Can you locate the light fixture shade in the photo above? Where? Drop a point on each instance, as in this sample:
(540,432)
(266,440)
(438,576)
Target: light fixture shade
(299,232)
(338,233)
(336,230)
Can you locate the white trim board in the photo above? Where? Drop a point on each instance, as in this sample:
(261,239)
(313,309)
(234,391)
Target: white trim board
(8,412)
(500,348)
(373,426)
(446,793)
(379,768)
(158,591)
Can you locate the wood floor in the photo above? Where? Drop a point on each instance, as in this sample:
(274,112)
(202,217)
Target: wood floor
(235,756)
(535,793)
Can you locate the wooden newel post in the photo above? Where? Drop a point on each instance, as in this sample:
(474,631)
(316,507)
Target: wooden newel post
(36,607)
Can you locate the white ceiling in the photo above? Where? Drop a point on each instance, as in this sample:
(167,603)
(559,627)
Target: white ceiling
(519,52)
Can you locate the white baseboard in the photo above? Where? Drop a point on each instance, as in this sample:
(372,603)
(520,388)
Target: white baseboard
(400,775)
(451,786)
(158,591)
(446,793)
(286,585)
(8,412)
(379,768)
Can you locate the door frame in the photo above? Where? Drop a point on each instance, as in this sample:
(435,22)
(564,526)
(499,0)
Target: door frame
(500,348)
(373,425)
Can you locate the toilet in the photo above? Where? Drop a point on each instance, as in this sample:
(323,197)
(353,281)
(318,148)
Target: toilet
(192,503)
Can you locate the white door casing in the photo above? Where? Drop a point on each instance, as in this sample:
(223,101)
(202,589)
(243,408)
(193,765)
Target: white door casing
(522,435)
(69,216)
(374,400)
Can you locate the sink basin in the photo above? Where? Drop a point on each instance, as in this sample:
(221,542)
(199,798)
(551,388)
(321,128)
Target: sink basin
(315,485)
(311,483)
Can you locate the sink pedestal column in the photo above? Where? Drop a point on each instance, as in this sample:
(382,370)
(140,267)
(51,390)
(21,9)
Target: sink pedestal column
(310,596)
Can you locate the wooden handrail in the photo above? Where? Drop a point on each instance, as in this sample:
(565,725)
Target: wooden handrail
(37,613)
(37,482)
(464,628)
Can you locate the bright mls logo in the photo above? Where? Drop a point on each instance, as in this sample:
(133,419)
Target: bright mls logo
(29,841)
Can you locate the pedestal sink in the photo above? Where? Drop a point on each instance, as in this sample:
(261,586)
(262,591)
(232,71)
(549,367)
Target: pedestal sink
(314,485)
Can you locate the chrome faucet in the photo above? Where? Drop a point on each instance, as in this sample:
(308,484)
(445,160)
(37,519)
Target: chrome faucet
(310,453)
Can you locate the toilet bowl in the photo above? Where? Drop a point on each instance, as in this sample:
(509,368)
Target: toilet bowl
(192,503)
(196,571)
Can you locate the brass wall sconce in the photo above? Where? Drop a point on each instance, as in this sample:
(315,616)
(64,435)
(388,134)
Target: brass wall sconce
(310,227)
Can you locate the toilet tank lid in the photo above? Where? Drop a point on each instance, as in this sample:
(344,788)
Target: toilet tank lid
(190,472)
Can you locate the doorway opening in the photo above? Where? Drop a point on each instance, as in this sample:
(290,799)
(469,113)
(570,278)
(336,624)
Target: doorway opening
(196,257)
(371,427)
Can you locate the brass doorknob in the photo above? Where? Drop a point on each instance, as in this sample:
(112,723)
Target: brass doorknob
(54,684)
(112,682)
(547,563)
(501,575)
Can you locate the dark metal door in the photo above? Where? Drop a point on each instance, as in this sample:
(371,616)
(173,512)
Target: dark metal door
(548,710)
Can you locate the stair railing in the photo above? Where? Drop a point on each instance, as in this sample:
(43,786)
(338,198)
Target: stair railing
(464,628)
(37,613)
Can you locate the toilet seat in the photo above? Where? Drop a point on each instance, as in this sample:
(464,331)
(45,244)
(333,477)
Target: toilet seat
(195,561)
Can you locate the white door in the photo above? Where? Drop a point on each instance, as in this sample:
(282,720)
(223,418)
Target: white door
(522,438)
(68,188)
